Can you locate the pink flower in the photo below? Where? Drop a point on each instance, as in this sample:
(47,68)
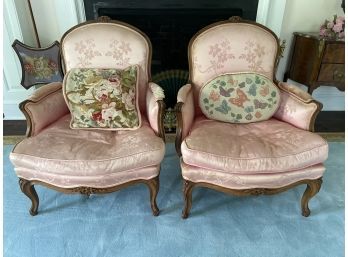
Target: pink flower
(28,67)
(52,65)
(337,27)
(214,50)
(341,34)
(322,32)
(340,19)
(103,97)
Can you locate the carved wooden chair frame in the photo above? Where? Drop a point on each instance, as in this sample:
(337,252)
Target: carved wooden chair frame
(27,186)
(313,186)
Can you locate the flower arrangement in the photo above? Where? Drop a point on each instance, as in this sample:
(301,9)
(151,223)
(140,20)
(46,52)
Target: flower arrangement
(333,29)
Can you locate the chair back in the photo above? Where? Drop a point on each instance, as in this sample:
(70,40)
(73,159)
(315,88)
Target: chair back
(234,45)
(108,44)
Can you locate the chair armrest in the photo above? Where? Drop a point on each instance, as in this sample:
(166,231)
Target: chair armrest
(43,107)
(185,113)
(297,107)
(155,108)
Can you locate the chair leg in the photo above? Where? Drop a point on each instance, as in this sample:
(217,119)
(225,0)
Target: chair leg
(29,190)
(312,189)
(153,185)
(187,191)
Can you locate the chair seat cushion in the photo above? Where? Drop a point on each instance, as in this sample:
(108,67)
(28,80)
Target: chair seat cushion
(270,146)
(60,150)
(245,181)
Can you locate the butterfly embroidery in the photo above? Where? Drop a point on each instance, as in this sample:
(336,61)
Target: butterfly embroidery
(249,116)
(252,90)
(241,85)
(223,108)
(240,100)
(264,91)
(214,96)
(259,105)
(249,109)
(233,81)
(226,93)
(258,114)
(257,80)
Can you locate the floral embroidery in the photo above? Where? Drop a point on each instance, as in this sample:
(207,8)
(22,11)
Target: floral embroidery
(239,98)
(254,54)
(119,51)
(103,98)
(40,67)
(87,52)
(220,53)
(285,107)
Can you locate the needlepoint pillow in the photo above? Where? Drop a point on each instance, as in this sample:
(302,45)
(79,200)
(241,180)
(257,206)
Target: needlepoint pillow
(239,98)
(103,98)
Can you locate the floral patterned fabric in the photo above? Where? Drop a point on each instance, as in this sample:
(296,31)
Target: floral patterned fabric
(39,65)
(230,47)
(239,98)
(112,45)
(103,98)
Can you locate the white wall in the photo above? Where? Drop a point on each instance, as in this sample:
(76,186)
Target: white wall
(13,92)
(46,21)
(307,16)
(54,17)
(271,13)
(25,22)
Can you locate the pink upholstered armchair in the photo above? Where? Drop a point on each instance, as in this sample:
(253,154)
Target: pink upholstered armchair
(92,161)
(256,158)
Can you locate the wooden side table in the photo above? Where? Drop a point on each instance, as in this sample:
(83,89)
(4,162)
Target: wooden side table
(315,61)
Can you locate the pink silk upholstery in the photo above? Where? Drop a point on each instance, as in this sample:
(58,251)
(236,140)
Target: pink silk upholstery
(185,95)
(295,107)
(108,45)
(270,146)
(228,179)
(59,151)
(45,106)
(96,181)
(231,47)
(152,109)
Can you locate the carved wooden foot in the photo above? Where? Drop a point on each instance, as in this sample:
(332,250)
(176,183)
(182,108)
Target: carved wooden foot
(187,191)
(312,189)
(153,185)
(28,189)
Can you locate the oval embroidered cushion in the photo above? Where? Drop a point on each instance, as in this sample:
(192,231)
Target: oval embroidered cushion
(239,98)
(103,98)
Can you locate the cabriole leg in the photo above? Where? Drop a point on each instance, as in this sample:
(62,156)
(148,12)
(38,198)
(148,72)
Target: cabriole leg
(187,191)
(28,189)
(153,185)
(312,189)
